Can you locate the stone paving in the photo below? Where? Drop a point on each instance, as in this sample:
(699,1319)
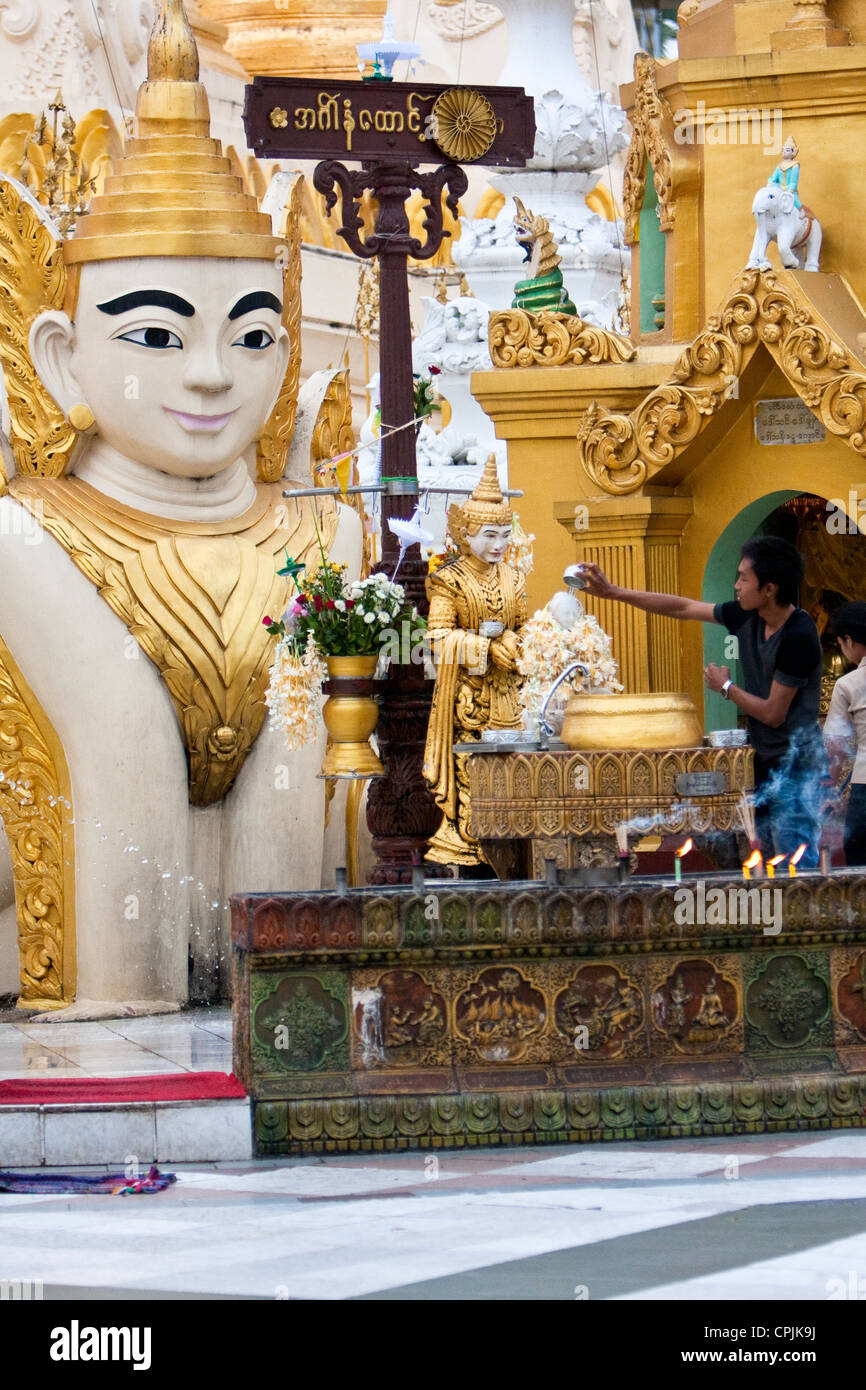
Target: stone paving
(759,1218)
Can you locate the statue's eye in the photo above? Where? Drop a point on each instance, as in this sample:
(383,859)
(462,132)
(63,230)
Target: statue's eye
(160,338)
(256,339)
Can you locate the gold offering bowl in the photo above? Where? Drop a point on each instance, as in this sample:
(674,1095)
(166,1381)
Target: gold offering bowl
(639,721)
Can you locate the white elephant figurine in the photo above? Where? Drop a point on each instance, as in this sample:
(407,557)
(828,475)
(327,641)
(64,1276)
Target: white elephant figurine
(796,232)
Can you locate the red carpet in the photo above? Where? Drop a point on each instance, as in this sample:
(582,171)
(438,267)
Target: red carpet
(87,1090)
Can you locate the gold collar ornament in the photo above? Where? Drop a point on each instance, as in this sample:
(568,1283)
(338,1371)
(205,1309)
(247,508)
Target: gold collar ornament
(193,595)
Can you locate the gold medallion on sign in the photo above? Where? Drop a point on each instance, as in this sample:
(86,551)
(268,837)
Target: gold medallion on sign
(465,124)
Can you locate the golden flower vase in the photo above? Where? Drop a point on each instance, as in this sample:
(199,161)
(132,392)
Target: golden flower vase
(645,720)
(350,714)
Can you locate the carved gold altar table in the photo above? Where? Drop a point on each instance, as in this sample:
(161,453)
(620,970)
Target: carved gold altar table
(564,805)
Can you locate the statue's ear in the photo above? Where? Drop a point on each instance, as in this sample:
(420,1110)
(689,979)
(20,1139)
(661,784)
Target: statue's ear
(52,343)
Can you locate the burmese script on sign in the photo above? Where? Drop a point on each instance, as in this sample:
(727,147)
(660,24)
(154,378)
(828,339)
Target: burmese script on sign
(303,118)
(786,420)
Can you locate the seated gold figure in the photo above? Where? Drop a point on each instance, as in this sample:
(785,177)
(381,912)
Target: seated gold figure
(477,606)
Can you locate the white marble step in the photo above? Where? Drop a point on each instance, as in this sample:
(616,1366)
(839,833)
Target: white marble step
(127,1134)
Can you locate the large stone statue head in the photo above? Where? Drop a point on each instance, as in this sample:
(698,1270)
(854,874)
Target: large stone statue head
(170,346)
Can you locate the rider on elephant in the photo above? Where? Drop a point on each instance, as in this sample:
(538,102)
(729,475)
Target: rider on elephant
(787,173)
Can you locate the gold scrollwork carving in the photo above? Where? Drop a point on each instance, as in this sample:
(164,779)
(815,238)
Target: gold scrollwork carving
(32,278)
(550,339)
(651,141)
(36,809)
(276,436)
(622,452)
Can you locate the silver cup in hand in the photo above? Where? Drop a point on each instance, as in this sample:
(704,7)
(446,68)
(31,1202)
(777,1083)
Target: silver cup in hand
(491,629)
(575,577)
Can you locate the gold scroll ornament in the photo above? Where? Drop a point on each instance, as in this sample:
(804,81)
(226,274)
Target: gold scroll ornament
(620,453)
(36,809)
(549,339)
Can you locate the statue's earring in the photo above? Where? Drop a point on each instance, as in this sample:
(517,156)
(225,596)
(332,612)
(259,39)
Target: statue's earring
(82,418)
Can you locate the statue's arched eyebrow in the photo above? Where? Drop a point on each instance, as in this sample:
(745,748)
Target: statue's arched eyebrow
(258,299)
(139,299)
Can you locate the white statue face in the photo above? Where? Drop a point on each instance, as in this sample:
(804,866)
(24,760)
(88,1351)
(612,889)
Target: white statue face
(180,360)
(565,609)
(789,149)
(490,543)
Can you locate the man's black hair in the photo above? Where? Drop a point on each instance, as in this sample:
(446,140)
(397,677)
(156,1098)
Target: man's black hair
(850,621)
(776,562)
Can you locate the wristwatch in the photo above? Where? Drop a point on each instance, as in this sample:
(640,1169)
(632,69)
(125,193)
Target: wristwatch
(725,688)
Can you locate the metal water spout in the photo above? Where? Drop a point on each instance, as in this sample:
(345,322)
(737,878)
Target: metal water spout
(569,670)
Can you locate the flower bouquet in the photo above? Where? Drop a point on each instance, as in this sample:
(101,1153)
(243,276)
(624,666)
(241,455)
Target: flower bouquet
(546,648)
(346,628)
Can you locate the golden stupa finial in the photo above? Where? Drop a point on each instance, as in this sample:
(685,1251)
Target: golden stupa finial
(486,507)
(173,193)
(172,55)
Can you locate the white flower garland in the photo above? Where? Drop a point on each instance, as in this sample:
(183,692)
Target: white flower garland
(546,648)
(293,695)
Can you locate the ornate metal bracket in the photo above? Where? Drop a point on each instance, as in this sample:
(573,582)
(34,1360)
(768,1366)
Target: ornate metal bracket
(391,185)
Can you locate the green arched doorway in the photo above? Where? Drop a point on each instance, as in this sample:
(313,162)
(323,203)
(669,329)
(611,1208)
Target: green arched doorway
(718,586)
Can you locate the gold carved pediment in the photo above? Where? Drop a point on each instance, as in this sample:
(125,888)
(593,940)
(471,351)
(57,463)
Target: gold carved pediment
(621,453)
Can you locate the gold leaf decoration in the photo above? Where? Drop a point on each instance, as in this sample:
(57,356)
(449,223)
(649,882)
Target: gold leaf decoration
(36,810)
(465,124)
(622,452)
(651,142)
(32,279)
(193,596)
(276,435)
(519,338)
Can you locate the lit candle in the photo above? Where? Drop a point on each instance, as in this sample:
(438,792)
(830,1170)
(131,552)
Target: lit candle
(678,861)
(795,859)
(753,862)
(771,865)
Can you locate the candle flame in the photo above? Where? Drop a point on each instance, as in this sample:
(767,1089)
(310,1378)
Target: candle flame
(777,859)
(798,854)
(753,860)
(684,849)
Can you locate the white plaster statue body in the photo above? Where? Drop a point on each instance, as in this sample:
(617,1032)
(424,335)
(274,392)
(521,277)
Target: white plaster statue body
(145,361)
(797,234)
(153,872)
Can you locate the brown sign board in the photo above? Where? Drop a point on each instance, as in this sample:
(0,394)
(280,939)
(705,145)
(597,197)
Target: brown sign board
(306,118)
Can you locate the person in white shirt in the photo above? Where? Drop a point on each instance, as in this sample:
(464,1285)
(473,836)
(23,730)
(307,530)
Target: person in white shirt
(845,726)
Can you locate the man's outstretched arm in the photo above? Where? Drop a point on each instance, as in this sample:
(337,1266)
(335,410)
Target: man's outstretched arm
(668,605)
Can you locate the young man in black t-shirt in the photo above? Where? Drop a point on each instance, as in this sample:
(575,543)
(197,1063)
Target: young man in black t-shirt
(780,652)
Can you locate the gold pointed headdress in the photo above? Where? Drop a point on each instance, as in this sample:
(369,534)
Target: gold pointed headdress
(173,192)
(486,507)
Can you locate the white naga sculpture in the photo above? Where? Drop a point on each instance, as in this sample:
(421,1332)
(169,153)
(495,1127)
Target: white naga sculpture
(151,362)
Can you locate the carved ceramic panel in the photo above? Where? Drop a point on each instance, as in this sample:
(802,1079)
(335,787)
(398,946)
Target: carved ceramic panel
(399,1019)
(600,1012)
(695,1005)
(500,1016)
(849,986)
(787,1001)
(299,1022)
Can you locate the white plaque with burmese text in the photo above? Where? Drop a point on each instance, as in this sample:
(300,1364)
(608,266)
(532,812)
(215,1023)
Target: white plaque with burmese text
(786,420)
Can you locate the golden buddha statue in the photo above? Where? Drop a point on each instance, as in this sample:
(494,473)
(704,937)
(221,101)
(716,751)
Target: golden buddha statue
(477,606)
(151,361)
